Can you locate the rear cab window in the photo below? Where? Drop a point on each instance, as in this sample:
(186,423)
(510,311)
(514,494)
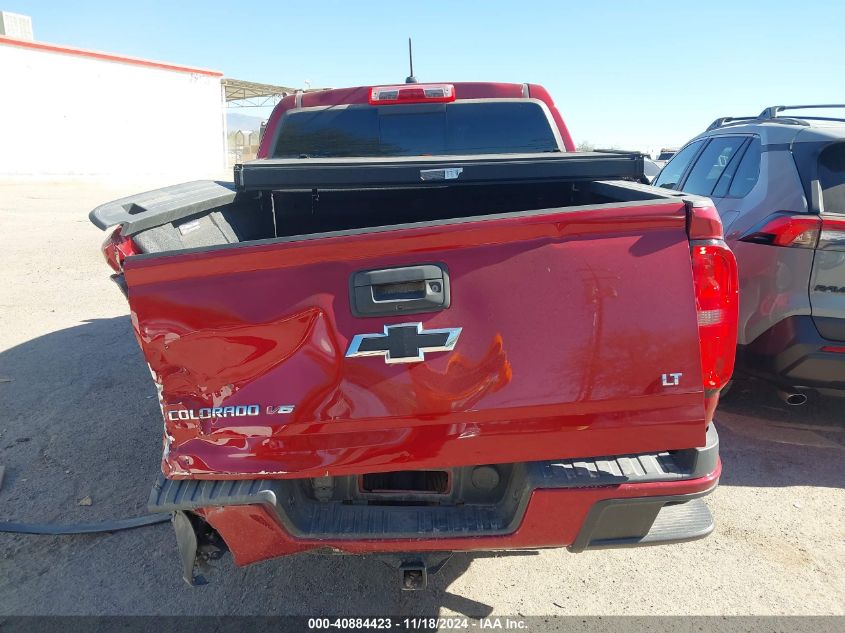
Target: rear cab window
(468,127)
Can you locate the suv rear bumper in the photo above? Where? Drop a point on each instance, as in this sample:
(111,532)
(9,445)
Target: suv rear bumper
(790,355)
(642,499)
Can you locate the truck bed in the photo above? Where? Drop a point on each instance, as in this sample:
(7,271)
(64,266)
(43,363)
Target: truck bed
(297,198)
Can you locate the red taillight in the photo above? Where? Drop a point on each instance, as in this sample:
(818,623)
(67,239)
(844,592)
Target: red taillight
(412,93)
(717,307)
(796,231)
(117,248)
(836,349)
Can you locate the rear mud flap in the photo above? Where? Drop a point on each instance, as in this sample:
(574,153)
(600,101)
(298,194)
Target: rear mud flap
(198,545)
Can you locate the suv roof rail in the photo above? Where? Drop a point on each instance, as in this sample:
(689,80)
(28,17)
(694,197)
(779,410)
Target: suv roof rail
(772,112)
(728,119)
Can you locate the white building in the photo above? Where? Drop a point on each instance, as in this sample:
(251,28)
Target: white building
(67,112)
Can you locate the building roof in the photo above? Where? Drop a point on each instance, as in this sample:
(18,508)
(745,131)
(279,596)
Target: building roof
(111,57)
(241,93)
(250,93)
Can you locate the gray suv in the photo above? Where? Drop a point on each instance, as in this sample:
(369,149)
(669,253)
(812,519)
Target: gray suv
(778,182)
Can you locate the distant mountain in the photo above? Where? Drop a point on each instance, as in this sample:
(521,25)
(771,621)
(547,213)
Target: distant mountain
(235,121)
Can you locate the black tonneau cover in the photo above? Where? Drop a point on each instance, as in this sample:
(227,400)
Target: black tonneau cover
(316,173)
(153,208)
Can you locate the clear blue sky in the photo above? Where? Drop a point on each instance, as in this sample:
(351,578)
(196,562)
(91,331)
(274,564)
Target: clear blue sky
(630,74)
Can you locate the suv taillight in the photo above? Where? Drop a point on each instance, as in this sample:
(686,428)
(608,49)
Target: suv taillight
(717,307)
(117,248)
(793,231)
(799,231)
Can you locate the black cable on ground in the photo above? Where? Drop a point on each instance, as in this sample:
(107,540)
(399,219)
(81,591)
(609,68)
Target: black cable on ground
(57,529)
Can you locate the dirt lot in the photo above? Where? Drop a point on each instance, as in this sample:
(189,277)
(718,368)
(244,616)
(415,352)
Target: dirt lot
(78,418)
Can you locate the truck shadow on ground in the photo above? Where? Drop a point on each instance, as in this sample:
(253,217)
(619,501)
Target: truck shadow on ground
(82,420)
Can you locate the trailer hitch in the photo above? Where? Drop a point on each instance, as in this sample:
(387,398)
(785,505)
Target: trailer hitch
(414,576)
(414,569)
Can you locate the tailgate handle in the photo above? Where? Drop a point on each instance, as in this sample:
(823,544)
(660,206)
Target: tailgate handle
(405,290)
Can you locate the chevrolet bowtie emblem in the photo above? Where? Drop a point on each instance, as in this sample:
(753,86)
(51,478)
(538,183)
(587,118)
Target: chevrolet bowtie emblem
(405,343)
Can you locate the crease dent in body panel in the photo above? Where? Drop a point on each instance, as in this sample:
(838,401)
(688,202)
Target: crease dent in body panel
(167,439)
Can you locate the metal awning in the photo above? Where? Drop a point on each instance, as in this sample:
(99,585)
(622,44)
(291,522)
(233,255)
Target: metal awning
(248,94)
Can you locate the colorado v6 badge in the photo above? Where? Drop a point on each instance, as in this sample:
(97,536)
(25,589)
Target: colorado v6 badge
(404,343)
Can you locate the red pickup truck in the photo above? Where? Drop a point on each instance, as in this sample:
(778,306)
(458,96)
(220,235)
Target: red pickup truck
(420,322)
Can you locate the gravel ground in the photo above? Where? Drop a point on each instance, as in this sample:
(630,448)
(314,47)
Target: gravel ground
(78,418)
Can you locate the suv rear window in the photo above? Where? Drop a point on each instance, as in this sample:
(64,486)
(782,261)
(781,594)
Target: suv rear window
(710,165)
(747,172)
(832,178)
(492,127)
(671,174)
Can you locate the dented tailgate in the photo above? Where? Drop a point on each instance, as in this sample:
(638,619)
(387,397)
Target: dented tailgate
(554,342)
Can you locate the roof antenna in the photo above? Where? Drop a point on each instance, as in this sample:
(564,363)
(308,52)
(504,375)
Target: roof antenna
(410,79)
